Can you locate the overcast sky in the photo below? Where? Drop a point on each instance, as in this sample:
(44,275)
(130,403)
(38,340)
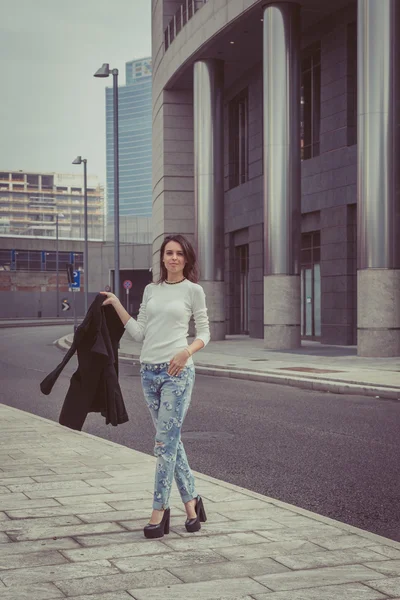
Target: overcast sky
(52,108)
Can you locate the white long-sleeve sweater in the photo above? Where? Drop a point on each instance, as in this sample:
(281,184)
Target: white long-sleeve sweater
(163,320)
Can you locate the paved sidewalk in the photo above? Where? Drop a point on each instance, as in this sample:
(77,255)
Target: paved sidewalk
(72,509)
(335,369)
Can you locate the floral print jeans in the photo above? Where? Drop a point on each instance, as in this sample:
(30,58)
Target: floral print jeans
(168,398)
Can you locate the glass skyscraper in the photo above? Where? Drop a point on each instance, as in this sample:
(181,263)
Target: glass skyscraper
(135,151)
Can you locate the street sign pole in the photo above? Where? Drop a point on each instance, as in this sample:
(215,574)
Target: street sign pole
(127,299)
(74,309)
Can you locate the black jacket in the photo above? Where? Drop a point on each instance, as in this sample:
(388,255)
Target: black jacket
(94,386)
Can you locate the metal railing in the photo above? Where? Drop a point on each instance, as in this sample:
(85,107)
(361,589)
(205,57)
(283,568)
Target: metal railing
(184,13)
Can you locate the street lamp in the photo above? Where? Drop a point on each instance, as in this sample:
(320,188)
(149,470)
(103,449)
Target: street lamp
(57,282)
(104,71)
(79,160)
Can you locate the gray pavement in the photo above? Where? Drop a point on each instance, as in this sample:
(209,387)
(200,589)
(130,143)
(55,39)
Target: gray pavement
(335,369)
(72,509)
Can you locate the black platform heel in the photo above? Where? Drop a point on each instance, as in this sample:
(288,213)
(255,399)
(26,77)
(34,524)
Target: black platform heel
(158,531)
(193,525)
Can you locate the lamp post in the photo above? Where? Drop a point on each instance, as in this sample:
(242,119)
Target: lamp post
(57,281)
(104,71)
(79,160)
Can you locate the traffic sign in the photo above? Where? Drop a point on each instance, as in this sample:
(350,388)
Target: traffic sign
(75,286)
(65,305)
(127,284)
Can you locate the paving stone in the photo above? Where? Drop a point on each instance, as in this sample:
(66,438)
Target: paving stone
(387,567)
(168,561)
(4,490)
(22,524)
(246,504)
(262,513)
(228,570)
(60,492)
(391,587)
(315,577)
(57,573)
(37,546)
(20,501)
(111,583)
(38,532)
(348,591)
(387,551)
(31,559)
(37,591)
(116,515)
(102,496)
(341,542)
(330,559)
(222,494)
(116,551)
(221,541)
(50,485)
(302,533)
(69,477)
(211,528)
(11,480)
(25,472)
(107,596)
(55,511)
(4,517)
(122,537)
(266,550)
(293,521)
(4,539)
(218,589)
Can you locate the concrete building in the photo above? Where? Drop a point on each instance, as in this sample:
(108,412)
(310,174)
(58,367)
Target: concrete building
(276,134)
(135,155)
(28,274)
(30,203)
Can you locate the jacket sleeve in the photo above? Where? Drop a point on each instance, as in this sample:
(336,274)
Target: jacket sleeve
(137,329)
(199,310)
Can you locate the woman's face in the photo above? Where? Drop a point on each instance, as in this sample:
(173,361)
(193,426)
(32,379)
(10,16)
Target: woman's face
(174,258)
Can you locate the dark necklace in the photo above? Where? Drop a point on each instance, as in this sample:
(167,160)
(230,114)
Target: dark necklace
(174,282)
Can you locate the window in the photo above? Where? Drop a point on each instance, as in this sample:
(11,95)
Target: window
(28,260)
(311,284)
(351,84)
(33,180)
(238,140)
(310,112)
(5,260)
(17,176)
(47,181)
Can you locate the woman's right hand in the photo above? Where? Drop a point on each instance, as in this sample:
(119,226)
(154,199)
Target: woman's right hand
(111,299)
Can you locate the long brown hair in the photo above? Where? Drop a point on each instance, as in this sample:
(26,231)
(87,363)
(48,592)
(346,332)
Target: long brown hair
(190,270)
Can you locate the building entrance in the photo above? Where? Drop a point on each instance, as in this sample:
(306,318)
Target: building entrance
(311,285)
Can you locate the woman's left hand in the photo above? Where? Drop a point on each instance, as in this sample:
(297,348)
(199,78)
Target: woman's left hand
(177,363)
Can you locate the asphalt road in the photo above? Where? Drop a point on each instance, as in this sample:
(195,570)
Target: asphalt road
(334,455)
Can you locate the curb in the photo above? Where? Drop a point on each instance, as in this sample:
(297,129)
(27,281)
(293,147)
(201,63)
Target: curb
(5,325)
(305,383)
(351,529)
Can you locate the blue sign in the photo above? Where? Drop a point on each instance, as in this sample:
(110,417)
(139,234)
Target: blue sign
(76,284)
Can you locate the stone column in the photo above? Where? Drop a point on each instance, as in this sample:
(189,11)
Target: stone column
(378,178)
(209,186)
(282,188)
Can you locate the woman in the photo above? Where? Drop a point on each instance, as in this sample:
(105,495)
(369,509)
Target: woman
(167,372)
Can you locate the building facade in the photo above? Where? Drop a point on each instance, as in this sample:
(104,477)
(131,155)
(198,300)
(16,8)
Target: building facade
(135,153)
(35,204)
(276,134)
